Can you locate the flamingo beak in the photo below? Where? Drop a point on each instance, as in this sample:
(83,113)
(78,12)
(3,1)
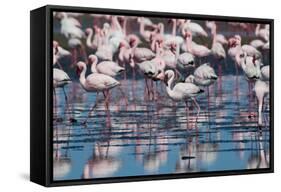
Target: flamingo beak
(78,71)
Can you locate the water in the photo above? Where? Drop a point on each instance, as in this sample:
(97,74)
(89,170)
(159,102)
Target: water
(156,135)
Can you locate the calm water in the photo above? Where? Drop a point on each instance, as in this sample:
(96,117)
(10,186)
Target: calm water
(156,135)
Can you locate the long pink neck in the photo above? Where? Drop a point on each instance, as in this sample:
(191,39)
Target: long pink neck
(174,28)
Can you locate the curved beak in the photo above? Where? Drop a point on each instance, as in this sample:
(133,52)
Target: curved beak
(78,71)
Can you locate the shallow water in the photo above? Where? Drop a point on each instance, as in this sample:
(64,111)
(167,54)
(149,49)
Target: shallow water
(154,135)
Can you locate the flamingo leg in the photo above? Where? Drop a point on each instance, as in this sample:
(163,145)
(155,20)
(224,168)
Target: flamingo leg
(147,88)
(198,107)
(55,100)
(65,96)
(123,95)
(92,109)
(107,98)
(187,112)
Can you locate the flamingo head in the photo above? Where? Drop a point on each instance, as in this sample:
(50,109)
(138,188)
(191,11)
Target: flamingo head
(133,40)
(238,39)
(79,67)
(187,35)
(173,47)
(93,58)
(168,75)
(97,29)
(88,30)
(232,42)
(123,44)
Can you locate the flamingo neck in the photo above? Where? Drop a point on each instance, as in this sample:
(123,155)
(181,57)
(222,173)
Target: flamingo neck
(141,26)
(257,29)
(214,32)
(89,37)
(168,87)
(260,101)
(115,24)
(125,27)
(188,44)
(94,66)
(82,77)
(161,31)
(174,28)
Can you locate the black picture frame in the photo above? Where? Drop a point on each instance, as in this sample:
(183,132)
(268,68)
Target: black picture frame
(41,95)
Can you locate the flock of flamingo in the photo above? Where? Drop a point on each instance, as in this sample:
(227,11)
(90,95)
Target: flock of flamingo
(160,52)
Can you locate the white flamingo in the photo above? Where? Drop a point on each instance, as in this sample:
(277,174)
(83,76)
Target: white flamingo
(251,67)
(195,28)
(203,76)
(197,50)
(60,79)
(181,91)
(261,89)
(70,27)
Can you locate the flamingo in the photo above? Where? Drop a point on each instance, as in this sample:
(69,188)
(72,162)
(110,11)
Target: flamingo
(93,44)
(58,52)
(194,28)
(217,48)
(250,50)
(146,34)
(170,38)
(186,60)
(251,67)
(262,33)
(95,82)
(60,79)
(203,76)
(257,43)
(265,73)
(261,89)
(218,37)
(181,91)
(109,68)
(70,27)
(194,48)
(139,54)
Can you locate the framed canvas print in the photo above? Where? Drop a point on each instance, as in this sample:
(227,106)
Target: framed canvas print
(119,95)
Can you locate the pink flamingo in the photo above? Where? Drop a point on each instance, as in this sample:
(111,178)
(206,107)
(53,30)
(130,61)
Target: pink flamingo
(261,89)
(93,43)
(197,50)
(109,68)
(192,27)
(95,82)
(146,34)
(139,54)
(217,48)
